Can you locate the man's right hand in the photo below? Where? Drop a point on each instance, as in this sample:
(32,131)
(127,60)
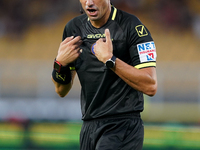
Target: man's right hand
(69,50)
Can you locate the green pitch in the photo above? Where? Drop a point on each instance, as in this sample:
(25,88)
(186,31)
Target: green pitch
(66,136)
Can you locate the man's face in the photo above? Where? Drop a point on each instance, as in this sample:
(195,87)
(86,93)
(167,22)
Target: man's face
(96,10)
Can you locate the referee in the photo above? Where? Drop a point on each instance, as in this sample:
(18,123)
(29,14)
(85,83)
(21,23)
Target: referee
(114,56)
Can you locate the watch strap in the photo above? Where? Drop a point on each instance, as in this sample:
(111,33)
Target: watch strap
(113,58)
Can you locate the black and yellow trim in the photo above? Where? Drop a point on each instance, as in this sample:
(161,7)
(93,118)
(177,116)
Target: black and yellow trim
(145,65)
(114,13)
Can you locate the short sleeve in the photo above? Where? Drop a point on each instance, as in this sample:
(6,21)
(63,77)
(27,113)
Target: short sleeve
(142,48)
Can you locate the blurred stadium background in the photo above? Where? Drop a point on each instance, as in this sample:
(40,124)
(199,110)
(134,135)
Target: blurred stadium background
(32,116)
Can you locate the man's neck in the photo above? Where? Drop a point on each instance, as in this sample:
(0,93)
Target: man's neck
(99,23)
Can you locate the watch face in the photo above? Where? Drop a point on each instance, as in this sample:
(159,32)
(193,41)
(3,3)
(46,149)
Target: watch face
(110,64)
(57,66)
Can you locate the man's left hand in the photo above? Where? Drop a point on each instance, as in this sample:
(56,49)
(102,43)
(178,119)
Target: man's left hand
(104,48)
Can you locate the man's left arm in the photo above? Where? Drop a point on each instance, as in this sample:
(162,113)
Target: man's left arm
(144,80)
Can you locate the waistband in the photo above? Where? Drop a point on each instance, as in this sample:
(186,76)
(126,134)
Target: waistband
(117,116)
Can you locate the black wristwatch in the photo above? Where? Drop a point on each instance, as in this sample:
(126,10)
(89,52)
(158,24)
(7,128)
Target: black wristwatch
(110,63)
(59,67)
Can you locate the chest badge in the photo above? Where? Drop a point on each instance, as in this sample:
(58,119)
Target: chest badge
(92,48)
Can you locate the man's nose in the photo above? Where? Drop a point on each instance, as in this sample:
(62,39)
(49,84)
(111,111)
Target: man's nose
(89,2)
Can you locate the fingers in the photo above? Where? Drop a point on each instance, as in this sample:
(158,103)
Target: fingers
(67,40)
(107,38)
(77,52)
(76,41)
(71,43)
(107,35)
(79,43)
(71,40)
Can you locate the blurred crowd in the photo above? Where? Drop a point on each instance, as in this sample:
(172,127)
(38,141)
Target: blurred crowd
(18,15)
(175,14)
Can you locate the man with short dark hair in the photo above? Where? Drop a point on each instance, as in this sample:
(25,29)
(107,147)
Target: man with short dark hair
(114,56)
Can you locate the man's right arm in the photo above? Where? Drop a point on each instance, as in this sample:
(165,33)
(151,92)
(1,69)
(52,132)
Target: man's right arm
(68,52)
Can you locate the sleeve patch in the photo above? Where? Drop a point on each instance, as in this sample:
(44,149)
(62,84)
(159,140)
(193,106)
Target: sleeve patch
(147,52)
(141,30)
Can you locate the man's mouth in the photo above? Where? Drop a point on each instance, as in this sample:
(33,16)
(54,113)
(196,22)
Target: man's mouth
(92,12)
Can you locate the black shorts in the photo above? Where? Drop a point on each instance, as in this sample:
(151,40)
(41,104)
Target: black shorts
(118,133)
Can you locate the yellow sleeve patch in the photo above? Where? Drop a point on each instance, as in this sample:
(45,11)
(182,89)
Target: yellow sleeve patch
(141,30)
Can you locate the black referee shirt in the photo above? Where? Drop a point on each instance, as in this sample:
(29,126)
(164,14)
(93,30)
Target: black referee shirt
(103,93)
